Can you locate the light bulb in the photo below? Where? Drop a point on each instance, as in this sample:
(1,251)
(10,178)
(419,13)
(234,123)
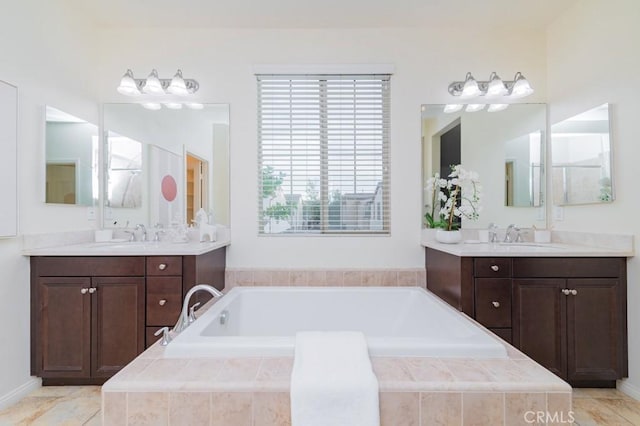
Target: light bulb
(153,85)
(497,107)
(470,88)
(177,86)
(194,105)
(495,87)
(173,105)
(474,107)
(450,108)
(521,87)
(128,85)
(154,106)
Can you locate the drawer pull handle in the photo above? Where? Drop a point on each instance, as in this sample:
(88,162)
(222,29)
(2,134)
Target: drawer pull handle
(84,290)
(162,302)
(496,304)
(162,266)
(566,291)
(495,268)
(574,292)
(92,290)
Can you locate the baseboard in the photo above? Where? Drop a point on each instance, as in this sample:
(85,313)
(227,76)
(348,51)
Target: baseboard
(629,389)
(20,392)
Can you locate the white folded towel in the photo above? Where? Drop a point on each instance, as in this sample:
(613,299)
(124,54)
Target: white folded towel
(332,383)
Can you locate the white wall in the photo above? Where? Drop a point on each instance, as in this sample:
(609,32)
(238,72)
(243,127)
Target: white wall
(592,58)
(426,61)
(47,53)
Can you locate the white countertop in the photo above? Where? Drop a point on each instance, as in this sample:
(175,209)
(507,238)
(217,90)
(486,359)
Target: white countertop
(118,248)
(472,248)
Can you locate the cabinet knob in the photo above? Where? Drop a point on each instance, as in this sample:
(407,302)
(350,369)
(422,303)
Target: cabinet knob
(574,292)
(84,290)
(92,290)
(495,268)
(162,266)
(566,291)
(495,304)
(162,302)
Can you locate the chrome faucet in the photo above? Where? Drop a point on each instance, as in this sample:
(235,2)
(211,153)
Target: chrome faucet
(493,233)
(143,236)
(183,319)
(508,237)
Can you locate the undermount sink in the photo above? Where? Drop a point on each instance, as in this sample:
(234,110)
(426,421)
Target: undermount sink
(133,245)
(525,246)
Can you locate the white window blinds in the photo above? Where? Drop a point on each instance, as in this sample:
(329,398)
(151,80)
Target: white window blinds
(323,154)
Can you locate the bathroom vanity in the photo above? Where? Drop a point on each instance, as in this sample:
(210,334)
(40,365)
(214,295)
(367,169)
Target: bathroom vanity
(563,306)
(94,308)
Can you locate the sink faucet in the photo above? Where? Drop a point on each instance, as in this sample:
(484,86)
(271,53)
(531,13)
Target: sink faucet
(183,319)
(143,236)
(508,237)
(493,233)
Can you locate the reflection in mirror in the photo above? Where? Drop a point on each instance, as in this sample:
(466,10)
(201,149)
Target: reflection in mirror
(71,159)
(581,156)
(523,171)
(506,149)
(164,165)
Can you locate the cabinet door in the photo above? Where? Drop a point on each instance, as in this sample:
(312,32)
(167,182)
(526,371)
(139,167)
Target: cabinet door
(64,323)
(593,330)
(118,323)
(539,321)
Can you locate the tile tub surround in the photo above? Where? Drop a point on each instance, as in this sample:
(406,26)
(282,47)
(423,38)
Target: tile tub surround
(325,277)
(255,391)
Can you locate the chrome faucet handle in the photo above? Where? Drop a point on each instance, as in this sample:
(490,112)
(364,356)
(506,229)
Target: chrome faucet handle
(192,312)
(132,235)
(493,232)
(507,235)
(166,337)
(143,237)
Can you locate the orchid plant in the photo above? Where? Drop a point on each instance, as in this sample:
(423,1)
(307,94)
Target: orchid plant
(461,198)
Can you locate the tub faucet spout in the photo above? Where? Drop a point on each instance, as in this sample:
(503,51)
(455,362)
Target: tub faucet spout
(183,319)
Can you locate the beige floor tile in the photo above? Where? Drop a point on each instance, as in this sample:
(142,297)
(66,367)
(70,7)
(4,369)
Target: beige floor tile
(96,420)
(627,408)
(71,411)
(56,391)
(27,410)
(588,412)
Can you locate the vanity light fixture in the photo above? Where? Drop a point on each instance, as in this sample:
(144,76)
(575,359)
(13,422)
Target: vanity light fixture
(519,87)
(154,85)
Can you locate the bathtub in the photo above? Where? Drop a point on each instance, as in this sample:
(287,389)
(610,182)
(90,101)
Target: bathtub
(263,321)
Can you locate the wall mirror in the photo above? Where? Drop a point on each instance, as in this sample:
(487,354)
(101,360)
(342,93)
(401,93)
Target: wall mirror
(506,148)
(71,159)
(581,157)
(162,166)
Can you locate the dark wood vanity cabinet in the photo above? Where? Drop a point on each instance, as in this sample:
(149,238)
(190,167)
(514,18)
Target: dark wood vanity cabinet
(568,314)
(90,316)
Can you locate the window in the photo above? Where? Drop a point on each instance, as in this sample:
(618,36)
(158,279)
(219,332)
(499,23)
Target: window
(323,154)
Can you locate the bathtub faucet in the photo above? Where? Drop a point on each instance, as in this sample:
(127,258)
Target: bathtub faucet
(183,319)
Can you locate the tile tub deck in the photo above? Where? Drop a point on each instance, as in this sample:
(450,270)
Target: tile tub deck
(153,390)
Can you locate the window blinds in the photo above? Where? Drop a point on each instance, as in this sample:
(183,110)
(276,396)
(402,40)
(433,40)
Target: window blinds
(323,154)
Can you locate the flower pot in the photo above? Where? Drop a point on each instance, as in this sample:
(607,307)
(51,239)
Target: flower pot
(448,237)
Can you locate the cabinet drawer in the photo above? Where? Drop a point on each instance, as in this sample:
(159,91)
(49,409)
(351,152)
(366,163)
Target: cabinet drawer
(164,300)
(493,302)
(164,265)
(578,267)
(492,267)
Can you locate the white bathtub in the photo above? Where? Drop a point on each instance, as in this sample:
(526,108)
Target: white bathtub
(263,321)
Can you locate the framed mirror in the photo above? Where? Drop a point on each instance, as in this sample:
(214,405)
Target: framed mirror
(71,146)
(162,166)
(582,158)
(506,148)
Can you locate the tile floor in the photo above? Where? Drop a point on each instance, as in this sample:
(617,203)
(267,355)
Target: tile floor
(80,405)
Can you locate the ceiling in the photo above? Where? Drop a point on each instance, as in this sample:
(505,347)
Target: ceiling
(466,14)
